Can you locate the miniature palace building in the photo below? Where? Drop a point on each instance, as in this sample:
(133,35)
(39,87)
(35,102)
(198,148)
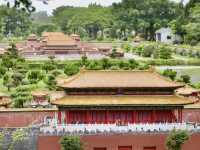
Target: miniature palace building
(106,97)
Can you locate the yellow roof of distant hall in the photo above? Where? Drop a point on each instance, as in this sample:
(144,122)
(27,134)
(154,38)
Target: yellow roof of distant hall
(57,38)
(122,100)
(115,79)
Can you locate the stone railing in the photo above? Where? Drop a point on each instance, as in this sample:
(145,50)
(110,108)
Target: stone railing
(113,128)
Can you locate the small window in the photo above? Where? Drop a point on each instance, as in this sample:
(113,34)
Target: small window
(169,37)
(125,148)
(100,148)
(149,148)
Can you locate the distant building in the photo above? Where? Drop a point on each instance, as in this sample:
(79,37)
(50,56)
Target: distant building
(52,43)
(167,36)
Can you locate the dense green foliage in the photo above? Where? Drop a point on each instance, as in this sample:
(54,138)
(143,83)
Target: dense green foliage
(21,95)
(14,23)
(119,21)
(90,22)
(71,143)
(176,139)
(192,27)
(154,50)
(144,17)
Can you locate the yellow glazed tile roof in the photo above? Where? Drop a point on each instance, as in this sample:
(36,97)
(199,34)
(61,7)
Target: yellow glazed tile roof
(57,39)
(122,100)
(114,79)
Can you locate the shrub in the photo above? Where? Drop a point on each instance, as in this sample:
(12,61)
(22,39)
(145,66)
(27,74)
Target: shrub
(84,60)
(148,50)
(165,52)
(132,64)
(71,69)
(94,65)
(126,46)
(105,63)
(71,143)
(185,78)
(48,67)
(114,68)
(56,72)
(143,66)
(176,139)
(123,65)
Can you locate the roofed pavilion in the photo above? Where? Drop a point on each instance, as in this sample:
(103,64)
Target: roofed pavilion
(125,96)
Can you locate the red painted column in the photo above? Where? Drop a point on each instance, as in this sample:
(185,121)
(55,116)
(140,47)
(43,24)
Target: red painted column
(87,116)
(153,119)
(181,118)
(59,117)
(107,116)
(67,117)
(180,115)
(133,116)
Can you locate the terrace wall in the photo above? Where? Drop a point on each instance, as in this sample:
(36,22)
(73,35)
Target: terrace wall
(112,142)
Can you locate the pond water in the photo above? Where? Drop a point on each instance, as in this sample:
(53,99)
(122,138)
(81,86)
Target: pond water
(192,71)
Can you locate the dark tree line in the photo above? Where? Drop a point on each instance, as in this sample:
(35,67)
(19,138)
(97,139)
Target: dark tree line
(115,22)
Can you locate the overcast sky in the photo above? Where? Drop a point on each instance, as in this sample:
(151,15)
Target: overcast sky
(52,4)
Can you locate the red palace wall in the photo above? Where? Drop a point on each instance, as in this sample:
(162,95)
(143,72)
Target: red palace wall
(24,117)
(120,142)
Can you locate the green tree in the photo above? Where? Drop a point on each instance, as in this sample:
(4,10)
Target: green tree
(51,82)
(17,23)
(144,16)
(7,81)
(21,95)
(12,51)
(84,60)
(35,76)
(46,28)
(176,139)
(88,22)
(170,73)
(17,78)
(71,143)
(7,62)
